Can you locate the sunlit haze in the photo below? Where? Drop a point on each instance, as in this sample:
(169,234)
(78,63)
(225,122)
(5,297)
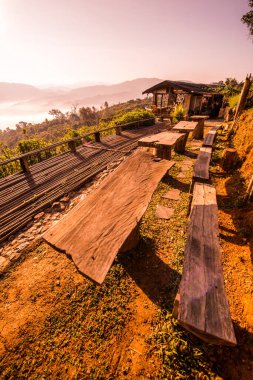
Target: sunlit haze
(66,42)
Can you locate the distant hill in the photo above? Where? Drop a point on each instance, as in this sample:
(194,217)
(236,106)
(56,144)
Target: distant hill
(11,92)
(26,95)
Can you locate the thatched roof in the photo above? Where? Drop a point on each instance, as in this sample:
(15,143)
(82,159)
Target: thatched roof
(190,87)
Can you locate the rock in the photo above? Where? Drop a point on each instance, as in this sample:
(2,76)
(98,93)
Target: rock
(57,206)
(22,246)
(65,200)
(185,168)
(172,194)
(163,212)
(39,216)
(3,263)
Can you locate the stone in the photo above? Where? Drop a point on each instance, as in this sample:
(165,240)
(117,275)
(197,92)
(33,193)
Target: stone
(185,168)
(181,175)
(22,246)
(39,216)
(163,212)
(65,200)
(57,206)
(173,194)
(3,263)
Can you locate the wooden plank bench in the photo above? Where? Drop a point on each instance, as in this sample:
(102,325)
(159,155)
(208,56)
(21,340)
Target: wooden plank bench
(163,143)
(201,305)
(201,166)
(185,127)
(211,136)
(107,220)
(199,132)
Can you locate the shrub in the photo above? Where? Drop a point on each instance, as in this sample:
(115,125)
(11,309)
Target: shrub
(179,112)
(136,115)
(233,100)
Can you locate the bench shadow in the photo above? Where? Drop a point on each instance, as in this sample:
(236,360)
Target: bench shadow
(152,275)
(30,180)
(176,184)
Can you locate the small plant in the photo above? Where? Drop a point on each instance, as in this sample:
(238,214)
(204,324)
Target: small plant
(179,112)
(233,100)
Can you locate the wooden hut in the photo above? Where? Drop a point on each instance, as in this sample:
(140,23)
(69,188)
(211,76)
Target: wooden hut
(196,98)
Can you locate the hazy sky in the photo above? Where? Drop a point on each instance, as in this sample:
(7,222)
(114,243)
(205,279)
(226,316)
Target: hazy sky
(71,41)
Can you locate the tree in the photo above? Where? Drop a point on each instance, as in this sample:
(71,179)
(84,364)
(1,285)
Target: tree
(248,18)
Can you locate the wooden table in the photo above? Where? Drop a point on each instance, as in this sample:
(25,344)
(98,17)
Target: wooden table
(199,133)
(186,127)
(163,143)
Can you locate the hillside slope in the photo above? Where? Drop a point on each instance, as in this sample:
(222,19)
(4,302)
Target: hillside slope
(243,142)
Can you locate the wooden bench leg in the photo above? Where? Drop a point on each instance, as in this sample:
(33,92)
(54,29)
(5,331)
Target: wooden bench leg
(180,144)
(163,152)
(199,131)
(132,240)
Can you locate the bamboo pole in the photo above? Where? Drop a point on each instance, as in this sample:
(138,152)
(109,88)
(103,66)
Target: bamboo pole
(249,191)
(241,103)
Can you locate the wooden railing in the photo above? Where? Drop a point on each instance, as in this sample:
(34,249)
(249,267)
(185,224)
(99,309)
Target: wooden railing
(71,143)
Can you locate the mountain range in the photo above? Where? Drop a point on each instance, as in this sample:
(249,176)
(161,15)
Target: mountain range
(19,95)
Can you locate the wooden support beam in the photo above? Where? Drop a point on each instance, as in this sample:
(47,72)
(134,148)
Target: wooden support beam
(180,144)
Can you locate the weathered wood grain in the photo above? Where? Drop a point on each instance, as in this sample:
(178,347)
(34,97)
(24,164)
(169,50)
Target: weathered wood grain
(185,126)
(95,230)
(201,166)
(202,303)
(162,142)
(22,195)
(211,136)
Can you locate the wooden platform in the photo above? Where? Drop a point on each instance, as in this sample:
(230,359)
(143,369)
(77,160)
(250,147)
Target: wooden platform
(95,230)
(201,305)
(163,142)
(23,195)
(201,166)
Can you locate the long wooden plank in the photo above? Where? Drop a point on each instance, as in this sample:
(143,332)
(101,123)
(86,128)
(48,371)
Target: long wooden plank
(95,230)
(211,136)
(202,303)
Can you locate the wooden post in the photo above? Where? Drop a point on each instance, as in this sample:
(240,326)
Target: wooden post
(249,192)
(241,104)
(72,146)
(229,159)
(97,136)
(243,96)
(118,130)
(163,152)
(24,165)
(199,131)
(181,143)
